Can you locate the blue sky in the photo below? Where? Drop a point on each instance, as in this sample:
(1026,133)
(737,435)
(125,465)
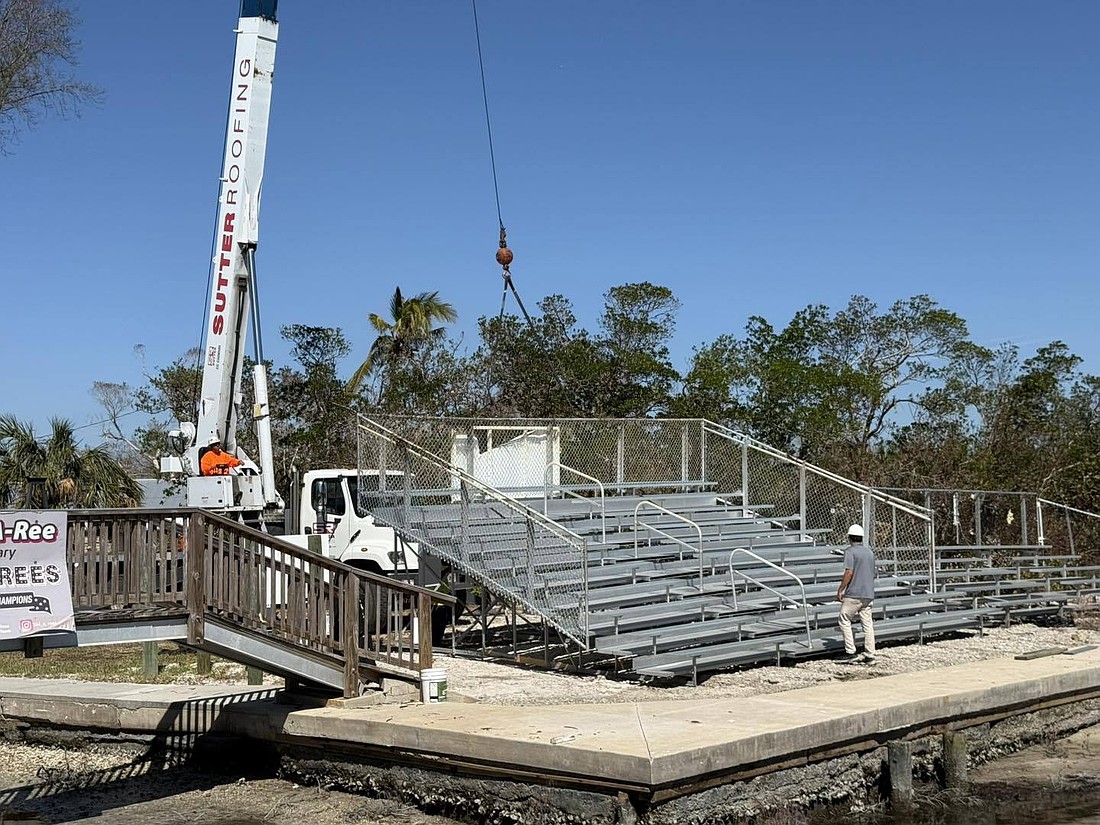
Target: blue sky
(755,157)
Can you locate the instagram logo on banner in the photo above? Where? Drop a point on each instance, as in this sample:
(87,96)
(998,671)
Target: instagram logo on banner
(26,625)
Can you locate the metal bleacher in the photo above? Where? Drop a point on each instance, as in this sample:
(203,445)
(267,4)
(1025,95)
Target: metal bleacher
(699,570)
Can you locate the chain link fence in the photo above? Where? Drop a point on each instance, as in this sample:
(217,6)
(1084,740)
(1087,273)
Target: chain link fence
(821,504)
(1068,530)
(475,491)
(1004,525)
(493,537)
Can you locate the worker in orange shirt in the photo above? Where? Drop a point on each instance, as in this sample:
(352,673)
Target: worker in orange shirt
(215,461)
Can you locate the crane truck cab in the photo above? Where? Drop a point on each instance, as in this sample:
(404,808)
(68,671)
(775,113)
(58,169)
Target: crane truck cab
(334,505)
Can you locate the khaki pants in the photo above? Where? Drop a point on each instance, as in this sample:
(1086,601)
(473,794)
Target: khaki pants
(861,608)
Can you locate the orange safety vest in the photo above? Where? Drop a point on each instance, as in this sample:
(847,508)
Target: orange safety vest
(217,463)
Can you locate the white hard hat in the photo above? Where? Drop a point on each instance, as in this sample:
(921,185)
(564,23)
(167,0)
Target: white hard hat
(856,530)
(213,440)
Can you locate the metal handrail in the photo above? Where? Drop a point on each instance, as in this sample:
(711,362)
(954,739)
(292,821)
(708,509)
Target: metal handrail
(740,438)
(669,536)
(1088,513)
(784,596)
(574,494)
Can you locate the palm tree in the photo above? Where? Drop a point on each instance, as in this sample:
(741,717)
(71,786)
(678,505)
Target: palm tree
(408,327)
(55,472)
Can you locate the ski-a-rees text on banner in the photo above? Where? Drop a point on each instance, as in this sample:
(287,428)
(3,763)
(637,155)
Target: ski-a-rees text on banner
(35,596)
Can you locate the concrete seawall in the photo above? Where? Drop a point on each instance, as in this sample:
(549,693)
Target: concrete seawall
(655,762)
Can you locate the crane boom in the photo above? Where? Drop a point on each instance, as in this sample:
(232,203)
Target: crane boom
(232,298)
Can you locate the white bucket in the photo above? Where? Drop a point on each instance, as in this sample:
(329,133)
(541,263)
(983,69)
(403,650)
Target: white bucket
(433,685)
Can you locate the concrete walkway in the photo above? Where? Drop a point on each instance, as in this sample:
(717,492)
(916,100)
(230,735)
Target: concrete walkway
(645,745)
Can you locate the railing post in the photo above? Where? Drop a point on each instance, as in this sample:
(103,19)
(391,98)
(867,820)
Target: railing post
(703,452)
(1069,531)
(195,564)
(684,450)
(424,618)
(350,637)
(744,477)
(1024,532)
(464,517)
(802,498)
(620,455)
(584,585)
(406,489)
(932,585)
(530,557)
(978,499)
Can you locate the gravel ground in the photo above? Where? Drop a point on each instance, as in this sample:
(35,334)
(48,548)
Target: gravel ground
(111,785)
(501,684)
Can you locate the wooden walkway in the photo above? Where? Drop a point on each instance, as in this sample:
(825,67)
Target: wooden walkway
(191,576)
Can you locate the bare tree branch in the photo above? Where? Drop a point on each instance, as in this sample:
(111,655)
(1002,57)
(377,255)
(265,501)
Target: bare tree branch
(37,52)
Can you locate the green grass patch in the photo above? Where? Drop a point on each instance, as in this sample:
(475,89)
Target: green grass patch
(120,663)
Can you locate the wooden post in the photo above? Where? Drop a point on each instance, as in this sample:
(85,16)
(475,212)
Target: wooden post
(150,666)
(203,665)
(954,760)
(350,637)
(900,761)
(194,565)
(424,617)
(255,675)
(32,647)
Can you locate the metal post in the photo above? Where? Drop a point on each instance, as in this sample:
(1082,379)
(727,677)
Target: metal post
(684,450)
(978,499)
(620,455)
(584,585)
(1023,519)
(1069,532)
(530,559)
(703,452)
(931,550)
(802,499)
(744,477)
(406,487)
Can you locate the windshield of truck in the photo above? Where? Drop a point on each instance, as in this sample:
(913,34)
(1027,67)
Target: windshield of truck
(369,496)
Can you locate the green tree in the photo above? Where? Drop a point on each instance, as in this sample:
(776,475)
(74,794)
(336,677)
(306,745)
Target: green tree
(310,419)
(170,395)
(829,387)
(638,322)
(55,472)
(37,51)
(547,368)
(410,327)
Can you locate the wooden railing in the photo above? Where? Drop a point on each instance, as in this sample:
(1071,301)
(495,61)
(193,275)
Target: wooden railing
(218,569)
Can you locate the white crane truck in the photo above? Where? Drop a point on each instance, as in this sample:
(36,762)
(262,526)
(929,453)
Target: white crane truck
(329,505)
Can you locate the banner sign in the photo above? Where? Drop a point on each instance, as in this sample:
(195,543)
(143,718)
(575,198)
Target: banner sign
(35,596)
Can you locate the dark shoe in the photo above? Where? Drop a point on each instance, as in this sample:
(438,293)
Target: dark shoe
(849,659)
(868,659)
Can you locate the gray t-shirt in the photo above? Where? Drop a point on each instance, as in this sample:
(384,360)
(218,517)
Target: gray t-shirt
(861,561)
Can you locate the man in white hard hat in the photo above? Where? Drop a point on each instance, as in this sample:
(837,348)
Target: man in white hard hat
(215,461)
(855,594)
